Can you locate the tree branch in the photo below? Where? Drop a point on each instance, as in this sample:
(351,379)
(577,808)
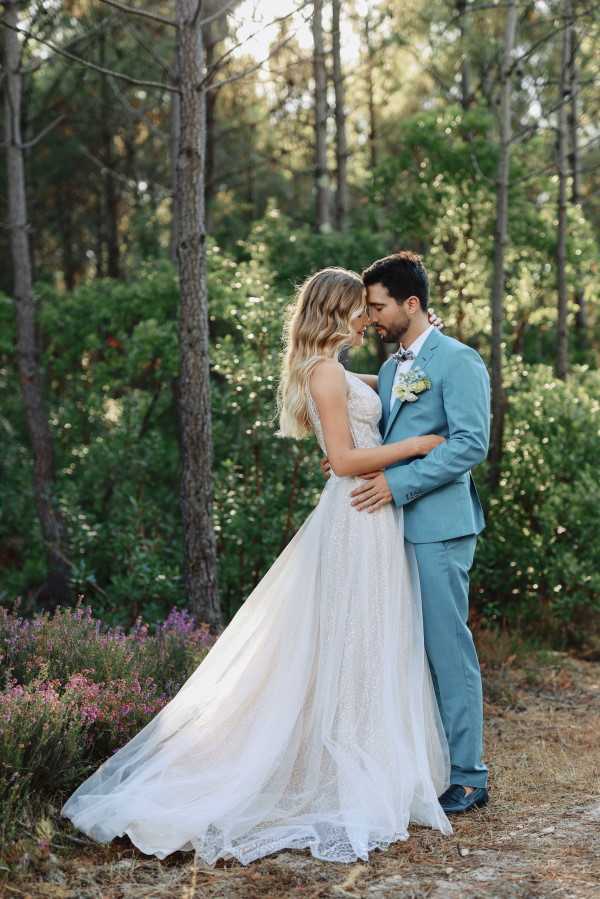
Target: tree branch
(545,38)
(552,165)
(154,17)
(134,112)
(162,190)
(43,132)
(91,65)
(106,21)
(215,85)
(216,15)
(536,127)
(133,31)
(219,62)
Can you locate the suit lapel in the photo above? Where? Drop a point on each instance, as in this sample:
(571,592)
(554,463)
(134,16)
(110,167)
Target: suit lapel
(385,390)
(422,361)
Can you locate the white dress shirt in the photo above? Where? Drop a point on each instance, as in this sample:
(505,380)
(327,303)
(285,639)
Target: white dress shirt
(403,367)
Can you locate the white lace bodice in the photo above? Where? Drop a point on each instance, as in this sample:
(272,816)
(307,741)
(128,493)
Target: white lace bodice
(364,412)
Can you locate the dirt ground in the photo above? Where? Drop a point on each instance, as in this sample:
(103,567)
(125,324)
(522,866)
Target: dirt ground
(539,837)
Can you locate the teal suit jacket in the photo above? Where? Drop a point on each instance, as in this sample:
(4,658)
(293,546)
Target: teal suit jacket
(437,492)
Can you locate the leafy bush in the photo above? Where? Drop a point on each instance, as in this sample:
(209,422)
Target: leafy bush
(75,691)
(111,351)
(538,561)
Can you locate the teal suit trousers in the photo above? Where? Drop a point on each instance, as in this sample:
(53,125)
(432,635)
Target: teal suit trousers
(444,576)
(442,518)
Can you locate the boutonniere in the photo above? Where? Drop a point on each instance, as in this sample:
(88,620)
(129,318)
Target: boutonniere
(410,384)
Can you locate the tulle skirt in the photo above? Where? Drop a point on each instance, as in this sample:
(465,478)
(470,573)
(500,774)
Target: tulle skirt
(311,723)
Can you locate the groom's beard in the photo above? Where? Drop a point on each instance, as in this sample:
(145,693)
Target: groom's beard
(391,335)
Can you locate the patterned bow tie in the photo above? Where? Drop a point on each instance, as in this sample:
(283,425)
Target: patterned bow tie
(403,355)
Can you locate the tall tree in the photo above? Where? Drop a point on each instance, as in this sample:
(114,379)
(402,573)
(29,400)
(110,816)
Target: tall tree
(193,389)
(562,338)
(500,242)
(371,105)
(341,139)
(174,141)
(111,199)
(214,31)
(323,218)
(581,318)
(466,96)
(31,376)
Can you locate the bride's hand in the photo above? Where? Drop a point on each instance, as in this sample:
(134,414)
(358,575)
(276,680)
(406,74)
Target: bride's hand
(325,467)
(435,320)
(428,442)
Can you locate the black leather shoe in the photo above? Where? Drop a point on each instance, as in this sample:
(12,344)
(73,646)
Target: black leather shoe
(456,800)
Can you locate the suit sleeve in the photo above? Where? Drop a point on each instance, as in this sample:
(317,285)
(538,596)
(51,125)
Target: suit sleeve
(466,396)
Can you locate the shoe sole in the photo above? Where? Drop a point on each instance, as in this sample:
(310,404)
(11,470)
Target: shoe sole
(462,811)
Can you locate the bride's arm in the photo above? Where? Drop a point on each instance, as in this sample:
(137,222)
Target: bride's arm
(328,388)
(370,380)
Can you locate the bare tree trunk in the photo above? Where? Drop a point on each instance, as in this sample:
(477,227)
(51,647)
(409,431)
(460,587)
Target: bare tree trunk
(65,213)
(174,141)
(99,226)
(562,337)
(200,563)
(500,241)
(466,97)
(581,318)
(56,590)
(373,154)
(111,200)
(211,104)
(341,140)
(323,222)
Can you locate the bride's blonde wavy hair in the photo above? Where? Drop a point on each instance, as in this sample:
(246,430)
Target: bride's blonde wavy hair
(317,327)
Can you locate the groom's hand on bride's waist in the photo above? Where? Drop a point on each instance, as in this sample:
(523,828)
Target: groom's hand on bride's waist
(325,467)
(372,495)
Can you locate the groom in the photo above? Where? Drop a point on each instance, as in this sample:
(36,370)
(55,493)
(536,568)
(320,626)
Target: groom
(435,385)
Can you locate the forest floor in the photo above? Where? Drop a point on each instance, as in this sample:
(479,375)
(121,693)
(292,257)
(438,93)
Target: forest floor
(539,836)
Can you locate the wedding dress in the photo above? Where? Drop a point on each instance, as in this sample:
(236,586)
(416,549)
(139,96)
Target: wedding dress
(312,722)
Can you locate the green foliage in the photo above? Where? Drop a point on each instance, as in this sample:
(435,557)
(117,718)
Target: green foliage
(538,561)
(432,150)
(74,691)
(294,252)
(264,487)
(111,352)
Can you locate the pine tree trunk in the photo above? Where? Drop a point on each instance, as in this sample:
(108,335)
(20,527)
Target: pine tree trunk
(200,564)
(98,231)
(67,242)
(500,241)
(341,140)
(323,221)
(211,108)
(465,69)
(372,111)
(111,199)
(56,590)
(581,318)
(174,141)
(562,346)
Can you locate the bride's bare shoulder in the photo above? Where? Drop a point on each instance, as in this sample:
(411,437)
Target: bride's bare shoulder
(327,377)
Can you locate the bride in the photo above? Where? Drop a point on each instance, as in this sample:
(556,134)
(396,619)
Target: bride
(312,722)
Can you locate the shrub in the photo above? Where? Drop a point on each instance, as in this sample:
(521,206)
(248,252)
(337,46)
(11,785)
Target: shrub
(538,562)
(75,691)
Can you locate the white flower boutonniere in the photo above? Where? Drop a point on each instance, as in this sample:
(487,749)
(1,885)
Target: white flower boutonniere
(410,384)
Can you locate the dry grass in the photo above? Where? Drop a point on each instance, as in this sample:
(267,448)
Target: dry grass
(539,837)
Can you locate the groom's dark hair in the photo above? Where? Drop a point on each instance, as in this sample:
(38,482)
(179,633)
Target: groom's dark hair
(402,274)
